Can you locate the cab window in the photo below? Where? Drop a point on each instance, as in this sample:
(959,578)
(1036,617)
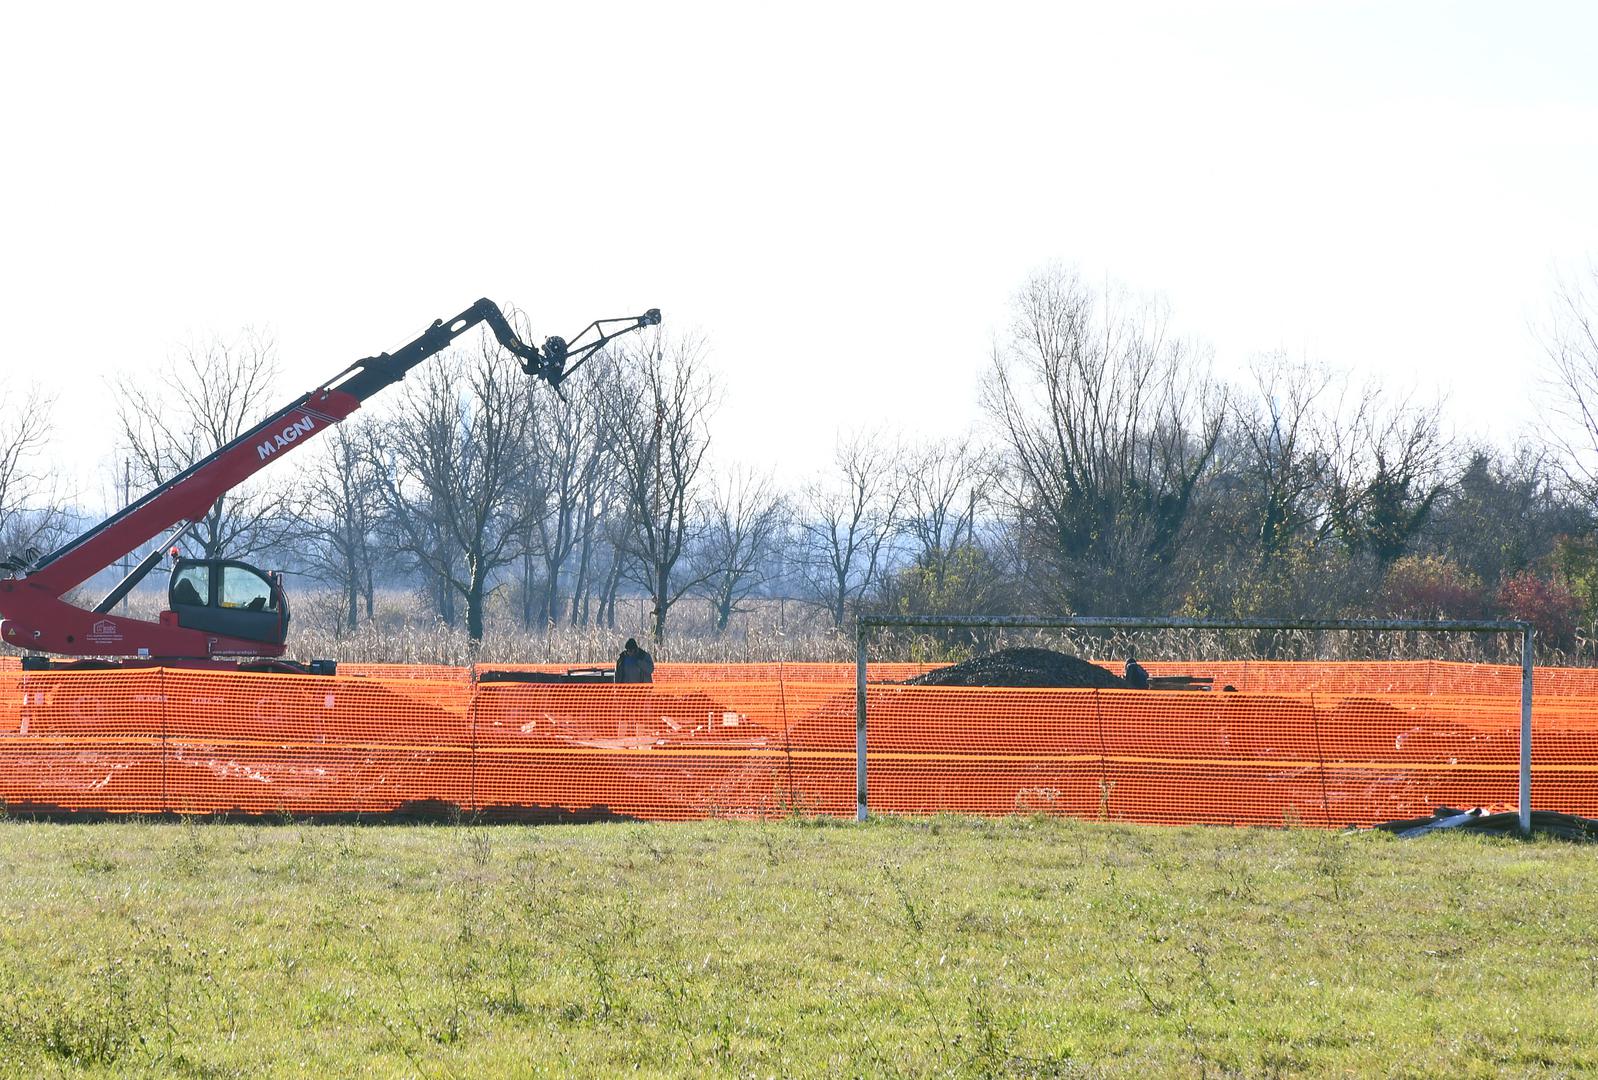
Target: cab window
(246,589)
(193,586)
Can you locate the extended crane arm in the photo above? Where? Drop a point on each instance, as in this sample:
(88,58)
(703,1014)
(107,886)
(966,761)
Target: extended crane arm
(190,494)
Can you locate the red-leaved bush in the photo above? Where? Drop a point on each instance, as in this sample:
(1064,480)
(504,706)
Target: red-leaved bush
(1546,603)
(1431,587)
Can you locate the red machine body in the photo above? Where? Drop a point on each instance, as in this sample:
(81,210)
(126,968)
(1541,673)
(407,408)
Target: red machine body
(38,619)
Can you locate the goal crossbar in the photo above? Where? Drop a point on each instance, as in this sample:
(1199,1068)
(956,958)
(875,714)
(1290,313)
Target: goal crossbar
(866,625)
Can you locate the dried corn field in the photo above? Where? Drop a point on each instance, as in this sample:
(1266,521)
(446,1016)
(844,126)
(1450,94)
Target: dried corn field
(402,630)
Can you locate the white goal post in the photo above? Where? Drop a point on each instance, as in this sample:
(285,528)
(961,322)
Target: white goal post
(866,626)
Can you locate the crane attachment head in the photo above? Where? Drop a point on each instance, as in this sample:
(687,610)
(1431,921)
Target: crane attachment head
(559,357)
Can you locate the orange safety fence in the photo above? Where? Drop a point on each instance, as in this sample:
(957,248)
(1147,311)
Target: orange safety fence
(1310,743)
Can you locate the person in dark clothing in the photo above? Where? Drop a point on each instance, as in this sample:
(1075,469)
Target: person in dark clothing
(1137,676)
(634,665)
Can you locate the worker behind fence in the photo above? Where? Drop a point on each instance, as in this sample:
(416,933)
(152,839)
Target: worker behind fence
(634,665)
(1137,676)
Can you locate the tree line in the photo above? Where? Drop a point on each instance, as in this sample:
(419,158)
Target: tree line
(1115,475)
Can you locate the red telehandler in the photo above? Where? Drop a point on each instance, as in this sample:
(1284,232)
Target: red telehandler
(222,613)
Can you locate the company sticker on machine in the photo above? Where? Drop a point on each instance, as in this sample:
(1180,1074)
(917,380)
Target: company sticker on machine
(104,632)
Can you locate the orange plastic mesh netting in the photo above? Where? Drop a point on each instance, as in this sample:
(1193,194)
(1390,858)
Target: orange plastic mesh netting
(1310,743)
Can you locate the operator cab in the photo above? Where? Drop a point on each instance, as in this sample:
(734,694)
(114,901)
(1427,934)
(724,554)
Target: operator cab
(224,596)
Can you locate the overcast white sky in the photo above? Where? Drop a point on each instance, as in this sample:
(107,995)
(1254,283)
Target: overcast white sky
(840,197)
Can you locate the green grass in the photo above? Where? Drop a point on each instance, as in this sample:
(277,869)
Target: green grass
(944,947)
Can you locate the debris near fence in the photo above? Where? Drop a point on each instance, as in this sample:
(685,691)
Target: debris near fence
(562,678)
(1026,667)
(1543,822)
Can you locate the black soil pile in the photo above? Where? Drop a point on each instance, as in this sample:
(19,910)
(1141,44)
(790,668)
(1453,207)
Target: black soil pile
(1023,667)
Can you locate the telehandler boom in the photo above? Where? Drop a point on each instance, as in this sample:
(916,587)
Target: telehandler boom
(222,612)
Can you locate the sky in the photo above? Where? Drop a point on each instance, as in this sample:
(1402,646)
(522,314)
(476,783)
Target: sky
(841,198)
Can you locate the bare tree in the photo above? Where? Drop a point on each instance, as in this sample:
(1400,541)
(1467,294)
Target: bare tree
(568,454)
(619,564)
(945,486)
(1109,423)
(449,467)
(600,501)
(602,515)
(947,519)
(335,512)
(1385,468)
(405,535)
(1283,433)
(210,394)
(1571,388)
(744,518)
(31,517)
(845,523)
(662,435)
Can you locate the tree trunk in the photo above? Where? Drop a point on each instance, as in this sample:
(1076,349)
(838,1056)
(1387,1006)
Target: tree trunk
(527,590)
(662,592)
(211,541)
(444,595)
(549,605)
(352,589)
(607,597)
(474,608)
(582,585)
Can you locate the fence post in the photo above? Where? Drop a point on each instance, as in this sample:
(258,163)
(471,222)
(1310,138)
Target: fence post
(471,728)
(1526,638)
(160,683)
(860,720)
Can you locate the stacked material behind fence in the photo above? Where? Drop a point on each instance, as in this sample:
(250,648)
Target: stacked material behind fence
(1317,744)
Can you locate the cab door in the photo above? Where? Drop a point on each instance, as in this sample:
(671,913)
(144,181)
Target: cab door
(225,597)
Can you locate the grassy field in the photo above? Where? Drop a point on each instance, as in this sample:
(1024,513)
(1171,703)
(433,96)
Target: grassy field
(946,947)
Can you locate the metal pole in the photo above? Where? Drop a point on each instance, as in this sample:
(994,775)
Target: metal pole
(860,722)
(1526,638)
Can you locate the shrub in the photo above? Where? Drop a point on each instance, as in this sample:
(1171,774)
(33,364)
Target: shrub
(1575,562)
(1429,586)
(1547,603)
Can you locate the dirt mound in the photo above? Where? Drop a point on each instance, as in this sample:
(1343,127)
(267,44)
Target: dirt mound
(1023,667)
